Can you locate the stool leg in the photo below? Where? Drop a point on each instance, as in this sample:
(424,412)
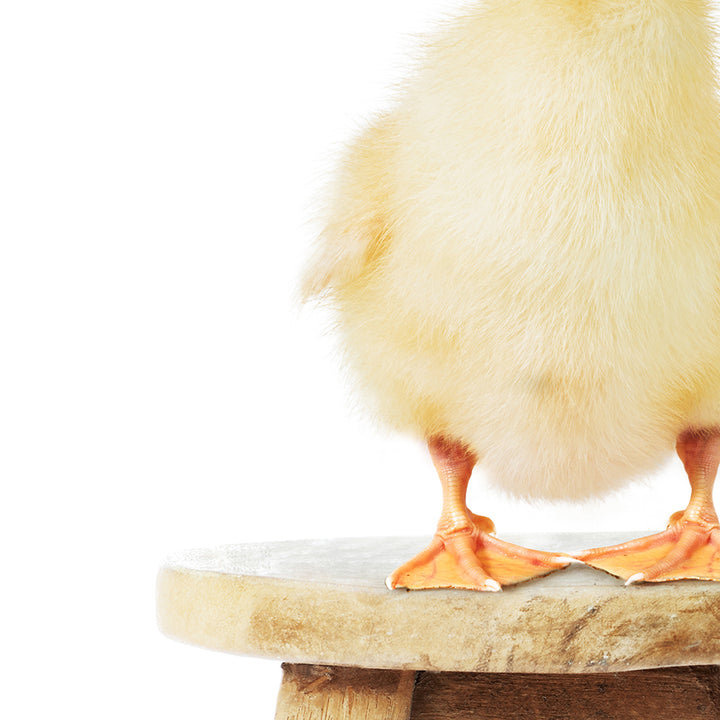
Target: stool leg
(675,693)
(323,692)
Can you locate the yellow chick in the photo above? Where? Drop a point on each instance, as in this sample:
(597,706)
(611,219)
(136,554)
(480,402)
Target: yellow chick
(523,255)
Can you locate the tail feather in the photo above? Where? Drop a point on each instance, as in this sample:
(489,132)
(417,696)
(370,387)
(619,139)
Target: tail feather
(357,228)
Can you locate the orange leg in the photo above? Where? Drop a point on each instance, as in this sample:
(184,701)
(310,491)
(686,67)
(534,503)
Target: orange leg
(690,546)
(464,553)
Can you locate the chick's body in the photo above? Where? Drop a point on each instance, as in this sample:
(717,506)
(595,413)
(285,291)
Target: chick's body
(524,252)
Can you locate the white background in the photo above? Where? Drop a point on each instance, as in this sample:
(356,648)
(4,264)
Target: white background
(159,388)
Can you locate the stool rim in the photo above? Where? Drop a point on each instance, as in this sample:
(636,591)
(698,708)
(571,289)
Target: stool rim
(577,620)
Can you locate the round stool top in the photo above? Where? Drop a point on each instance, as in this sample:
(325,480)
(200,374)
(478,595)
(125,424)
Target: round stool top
(325,602)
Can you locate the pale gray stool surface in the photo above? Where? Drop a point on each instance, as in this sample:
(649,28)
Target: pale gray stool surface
(324,602)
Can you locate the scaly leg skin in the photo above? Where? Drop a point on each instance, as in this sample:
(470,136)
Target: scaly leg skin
(463,553)
(690,546)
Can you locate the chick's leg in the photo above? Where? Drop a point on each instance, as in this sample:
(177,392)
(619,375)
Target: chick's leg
(690,546)
(464,553)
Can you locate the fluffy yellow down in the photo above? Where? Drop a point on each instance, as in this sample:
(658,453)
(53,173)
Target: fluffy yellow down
(524,252)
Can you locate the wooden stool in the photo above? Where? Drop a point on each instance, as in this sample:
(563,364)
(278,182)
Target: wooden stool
(575,645)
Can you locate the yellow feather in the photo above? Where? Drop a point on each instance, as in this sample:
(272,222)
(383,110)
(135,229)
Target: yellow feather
(524,252)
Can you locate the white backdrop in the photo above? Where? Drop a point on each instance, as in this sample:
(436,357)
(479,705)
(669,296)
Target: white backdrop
(159,388)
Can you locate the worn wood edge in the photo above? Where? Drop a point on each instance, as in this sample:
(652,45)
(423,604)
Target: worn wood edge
(677,693)
(322,692)
(335,625)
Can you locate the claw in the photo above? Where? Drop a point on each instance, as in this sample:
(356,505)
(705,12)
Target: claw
(636,578)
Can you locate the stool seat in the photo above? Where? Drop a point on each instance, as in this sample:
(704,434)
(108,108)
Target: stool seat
(324,602)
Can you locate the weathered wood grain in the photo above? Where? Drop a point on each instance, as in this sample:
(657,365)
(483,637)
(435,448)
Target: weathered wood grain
(683,693)
(319,692)
(325,602)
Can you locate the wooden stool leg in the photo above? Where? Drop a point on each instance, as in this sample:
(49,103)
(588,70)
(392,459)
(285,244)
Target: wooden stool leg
(679,693)
(322,692)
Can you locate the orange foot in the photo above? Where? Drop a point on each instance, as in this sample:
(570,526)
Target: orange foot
(473,559)
(690,547)
(463,553)
(687,550)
